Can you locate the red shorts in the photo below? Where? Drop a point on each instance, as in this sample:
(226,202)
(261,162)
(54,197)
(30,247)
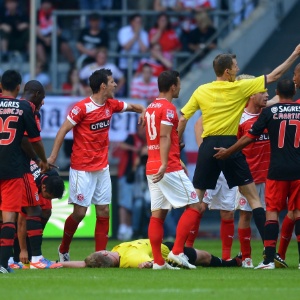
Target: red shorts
(30,191)
(282,194)
(11,191)
(45,203)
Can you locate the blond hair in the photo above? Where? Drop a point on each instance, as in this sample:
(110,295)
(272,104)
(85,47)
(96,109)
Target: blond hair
(98,260)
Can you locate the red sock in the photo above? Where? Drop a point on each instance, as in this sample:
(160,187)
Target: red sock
(156,234)
(101,233)
(69,230)
(193,233)
(189,218)
(227,233)
(245,238)
(287,228)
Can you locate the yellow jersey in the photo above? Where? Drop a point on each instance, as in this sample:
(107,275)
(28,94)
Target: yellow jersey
(222,104)
(136,252)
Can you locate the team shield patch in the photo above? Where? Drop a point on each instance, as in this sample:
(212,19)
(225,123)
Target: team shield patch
(80,197)
(242,201)
(193,195)
(170,114)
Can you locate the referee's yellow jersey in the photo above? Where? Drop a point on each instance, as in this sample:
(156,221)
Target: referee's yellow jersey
(135,252)
(222,104)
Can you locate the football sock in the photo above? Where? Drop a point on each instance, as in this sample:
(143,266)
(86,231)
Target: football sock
(287,228)
(44,222)
(297,233)
(271,236)
(218,262)
(16,248)
(35,234)
(69,230)
(7,235)
(101,233)
(245,238)
(259,216)
(156,234)
(227,232)
(187,221)
(193,233)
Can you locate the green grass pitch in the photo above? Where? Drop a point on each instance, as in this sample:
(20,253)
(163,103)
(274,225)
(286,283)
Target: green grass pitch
(202,283)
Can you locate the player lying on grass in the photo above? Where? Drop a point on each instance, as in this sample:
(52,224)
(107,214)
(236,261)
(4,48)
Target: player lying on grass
(138,254)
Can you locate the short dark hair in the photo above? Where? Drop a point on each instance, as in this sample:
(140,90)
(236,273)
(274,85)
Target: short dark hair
(55,186)
(166,79)
(223,62)
(34,86)
(286,88)
(99,77)
(94,16)
(10,80)
(132,17)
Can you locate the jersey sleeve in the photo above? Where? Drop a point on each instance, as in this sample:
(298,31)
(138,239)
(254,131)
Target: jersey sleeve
(191,107)
(259,126)
(252,86)
(118,106)
(31,128)
(168,114)
(76,114)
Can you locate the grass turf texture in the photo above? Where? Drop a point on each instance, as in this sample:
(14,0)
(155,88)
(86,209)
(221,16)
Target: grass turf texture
(206,283)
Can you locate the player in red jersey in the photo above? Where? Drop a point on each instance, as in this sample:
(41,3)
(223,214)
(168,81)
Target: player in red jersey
(168,184)
(89,172)
(15,117)
(283,181)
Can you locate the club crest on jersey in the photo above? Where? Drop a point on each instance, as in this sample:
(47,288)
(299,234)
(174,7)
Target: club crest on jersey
(193,195)
(274,110)
(80,197)
(107,112)
(242,201)
(170,114)
(37,197)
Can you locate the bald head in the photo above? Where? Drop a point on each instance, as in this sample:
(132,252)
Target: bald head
(34,92)
(296,77)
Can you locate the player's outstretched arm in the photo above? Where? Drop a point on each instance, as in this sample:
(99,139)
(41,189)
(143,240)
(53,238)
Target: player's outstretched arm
(73,264)
(38,147)
(64,129)
(139,109)
(224,153)
(281,69)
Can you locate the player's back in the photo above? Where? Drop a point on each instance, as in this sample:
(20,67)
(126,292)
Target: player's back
(161,111)
(15,117)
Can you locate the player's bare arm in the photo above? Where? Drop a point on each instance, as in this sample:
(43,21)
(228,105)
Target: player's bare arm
(64,129)
(281,69)
(181,126)
(164,145)
(224,153)
(139,109)
(198,128)
(38,147)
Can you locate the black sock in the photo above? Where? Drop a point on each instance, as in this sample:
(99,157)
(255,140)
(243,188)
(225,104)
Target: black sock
(16,248)
(7,235)
(35,234)
(271,236)
(297,233)
(259,216)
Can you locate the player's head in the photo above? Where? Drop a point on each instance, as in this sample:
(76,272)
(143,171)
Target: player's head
(102,81)
(285,89)
(226,65)
(52,187)
(169,81)
(102,259)
(11,82)
(296,77)
(35,93)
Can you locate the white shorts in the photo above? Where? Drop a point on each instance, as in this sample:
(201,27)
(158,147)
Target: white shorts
(88,188)
(242,203)
(222,197)
(174,190)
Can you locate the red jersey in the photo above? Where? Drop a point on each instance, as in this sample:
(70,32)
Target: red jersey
(161,111)
(257,153)
(168,41)
(90,133)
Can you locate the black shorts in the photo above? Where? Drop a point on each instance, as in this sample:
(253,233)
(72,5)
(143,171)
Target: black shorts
(208,168)
(189,252)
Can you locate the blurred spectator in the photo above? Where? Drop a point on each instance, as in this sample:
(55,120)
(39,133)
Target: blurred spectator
(73,86)
(133,39)
(90,40)
(41,75)
(131,149)
(145,85)
(242,9)
(201,34)
(165,35)
(166,5)
(188,23)
(101,62)
(44,33)
(14,29)
(95,4)
(156,60)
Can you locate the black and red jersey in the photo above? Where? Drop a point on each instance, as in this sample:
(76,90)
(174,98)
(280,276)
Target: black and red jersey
(16,117)
(283,123)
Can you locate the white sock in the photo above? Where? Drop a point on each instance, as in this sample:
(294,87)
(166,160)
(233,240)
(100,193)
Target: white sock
(35,259)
